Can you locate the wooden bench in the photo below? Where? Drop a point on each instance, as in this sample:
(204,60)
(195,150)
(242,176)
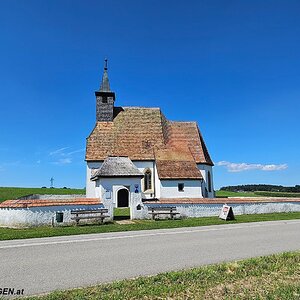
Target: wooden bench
(99,214)
(166,210)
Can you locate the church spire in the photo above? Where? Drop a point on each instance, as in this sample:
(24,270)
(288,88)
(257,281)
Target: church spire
(105,99)
(105,81)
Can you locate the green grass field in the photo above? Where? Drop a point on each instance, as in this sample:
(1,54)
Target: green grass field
(37,232)
(225,194)
(268,277)
(9,193)
(277,194)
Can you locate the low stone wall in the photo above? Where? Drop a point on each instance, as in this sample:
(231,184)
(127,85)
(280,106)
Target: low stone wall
(38,216)
(213,209)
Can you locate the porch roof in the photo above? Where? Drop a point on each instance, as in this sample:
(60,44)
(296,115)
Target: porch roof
(117,166)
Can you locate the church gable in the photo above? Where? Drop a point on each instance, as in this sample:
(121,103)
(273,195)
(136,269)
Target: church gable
(134,132)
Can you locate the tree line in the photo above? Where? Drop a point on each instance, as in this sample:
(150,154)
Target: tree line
(261,187)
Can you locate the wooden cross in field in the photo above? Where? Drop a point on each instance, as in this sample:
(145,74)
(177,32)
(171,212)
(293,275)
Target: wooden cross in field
(51,181)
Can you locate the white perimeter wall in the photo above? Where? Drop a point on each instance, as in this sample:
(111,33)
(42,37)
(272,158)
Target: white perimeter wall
(209,210)
(169,189)
(37,216)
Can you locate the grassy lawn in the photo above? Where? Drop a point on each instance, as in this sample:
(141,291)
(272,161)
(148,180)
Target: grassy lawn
(10,233)
(225,194)
(122,213)
(9,193)
(269,277)
(277,194)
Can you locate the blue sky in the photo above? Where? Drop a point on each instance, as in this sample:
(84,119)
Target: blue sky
(232,66)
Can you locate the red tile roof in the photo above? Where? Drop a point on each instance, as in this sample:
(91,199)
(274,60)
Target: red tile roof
(176,163)
(187,134)
(48,202)
(138,132)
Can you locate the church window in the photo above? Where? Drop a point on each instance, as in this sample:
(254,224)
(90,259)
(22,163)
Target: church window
(104,100)
(209,181)
(147,180)
(180,187)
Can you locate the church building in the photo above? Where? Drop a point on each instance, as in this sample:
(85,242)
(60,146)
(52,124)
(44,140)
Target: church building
(134,150)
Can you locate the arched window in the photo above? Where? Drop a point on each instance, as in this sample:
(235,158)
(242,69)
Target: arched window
(209,181)
(147,180)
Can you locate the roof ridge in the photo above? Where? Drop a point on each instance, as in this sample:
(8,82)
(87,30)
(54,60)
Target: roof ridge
(140,107)
(194,122)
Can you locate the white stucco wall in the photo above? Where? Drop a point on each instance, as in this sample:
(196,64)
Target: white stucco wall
(169,189)
(90,185)
(37,216)
(157,183)
(28,217)
(209,210)
(143,166)
(136,205)
(238,209)
(204,172)
(91,188)
(107,188)
(160,189)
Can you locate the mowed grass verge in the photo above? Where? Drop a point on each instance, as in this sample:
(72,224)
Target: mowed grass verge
(269,277)
(10,193)
(37,232)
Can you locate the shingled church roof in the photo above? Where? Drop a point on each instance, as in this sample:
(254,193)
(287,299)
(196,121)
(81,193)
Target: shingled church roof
(142,134)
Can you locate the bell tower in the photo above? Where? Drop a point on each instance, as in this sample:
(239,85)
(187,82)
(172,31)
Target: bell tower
(105,99)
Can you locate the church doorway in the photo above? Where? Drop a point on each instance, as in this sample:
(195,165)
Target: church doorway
(123,198)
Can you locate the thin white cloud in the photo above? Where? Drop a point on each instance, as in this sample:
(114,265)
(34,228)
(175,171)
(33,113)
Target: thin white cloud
(63,161)
(75,151)
(240,167)
(62,157)
(58,151)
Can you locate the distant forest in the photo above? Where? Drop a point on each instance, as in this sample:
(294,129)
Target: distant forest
(261,187)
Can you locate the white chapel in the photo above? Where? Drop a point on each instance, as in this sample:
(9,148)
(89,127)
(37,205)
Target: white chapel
(138,150)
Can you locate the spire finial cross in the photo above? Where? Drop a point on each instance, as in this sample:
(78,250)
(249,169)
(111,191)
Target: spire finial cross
(105,64)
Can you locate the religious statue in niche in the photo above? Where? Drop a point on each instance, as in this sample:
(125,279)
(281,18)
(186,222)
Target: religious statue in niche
(136,188)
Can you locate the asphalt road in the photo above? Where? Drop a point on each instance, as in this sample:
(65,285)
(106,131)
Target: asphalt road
(46,264)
